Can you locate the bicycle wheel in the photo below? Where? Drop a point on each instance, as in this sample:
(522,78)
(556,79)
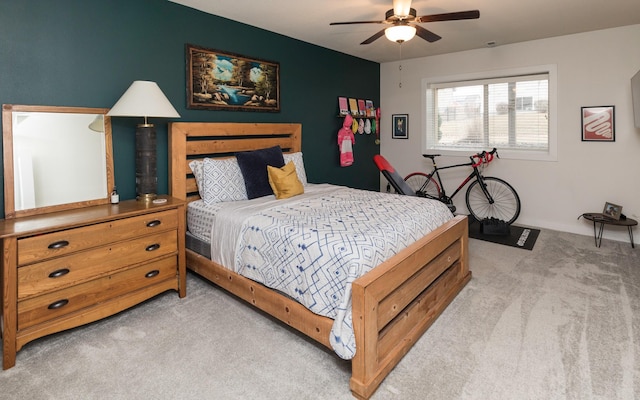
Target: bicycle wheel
(506,203)
(423,185)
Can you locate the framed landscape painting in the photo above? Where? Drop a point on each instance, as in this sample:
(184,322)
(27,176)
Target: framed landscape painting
(219,80)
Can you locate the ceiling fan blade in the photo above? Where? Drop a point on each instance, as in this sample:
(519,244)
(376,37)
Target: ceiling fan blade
(426,34)
(454,16)
(357,22)
(374,37)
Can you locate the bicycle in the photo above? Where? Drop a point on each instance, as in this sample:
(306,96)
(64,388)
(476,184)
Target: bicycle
(486,197)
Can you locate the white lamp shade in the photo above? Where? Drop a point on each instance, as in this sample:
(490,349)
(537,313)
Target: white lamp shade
(143,99)
(400,33)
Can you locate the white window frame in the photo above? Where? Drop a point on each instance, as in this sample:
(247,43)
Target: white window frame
(551,154)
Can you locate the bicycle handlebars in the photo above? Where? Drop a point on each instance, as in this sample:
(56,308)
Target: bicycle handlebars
(483,157)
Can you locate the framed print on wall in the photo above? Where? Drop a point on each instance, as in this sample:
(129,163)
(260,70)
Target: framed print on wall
(400,127)
(218,80)
(598,124)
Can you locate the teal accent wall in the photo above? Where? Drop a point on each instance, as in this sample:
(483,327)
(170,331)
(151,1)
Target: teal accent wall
(87,53)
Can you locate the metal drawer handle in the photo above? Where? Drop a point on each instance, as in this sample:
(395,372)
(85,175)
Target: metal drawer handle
(59,273)
(153,247)
(57,304)
(151,274)
(153,223)
(59,244)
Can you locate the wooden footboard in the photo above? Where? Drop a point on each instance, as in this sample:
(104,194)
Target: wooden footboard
(393,305)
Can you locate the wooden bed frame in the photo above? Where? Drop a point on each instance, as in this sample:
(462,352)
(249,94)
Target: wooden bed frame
(393,304)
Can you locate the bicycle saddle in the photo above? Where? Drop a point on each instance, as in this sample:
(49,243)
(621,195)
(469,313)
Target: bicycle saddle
(431,156)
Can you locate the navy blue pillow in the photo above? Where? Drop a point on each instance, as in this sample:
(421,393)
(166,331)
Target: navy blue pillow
(253,165)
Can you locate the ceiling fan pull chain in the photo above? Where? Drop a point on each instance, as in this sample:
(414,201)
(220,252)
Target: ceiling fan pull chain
(400,68)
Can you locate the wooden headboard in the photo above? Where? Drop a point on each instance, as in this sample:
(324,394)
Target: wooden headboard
(196,140)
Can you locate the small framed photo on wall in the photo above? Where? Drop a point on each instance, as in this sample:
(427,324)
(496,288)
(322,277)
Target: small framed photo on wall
(400,128)
(598,124)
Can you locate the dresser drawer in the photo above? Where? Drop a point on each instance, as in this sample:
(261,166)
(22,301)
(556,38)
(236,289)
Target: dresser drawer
(78,267)
(59,243)
(51,305)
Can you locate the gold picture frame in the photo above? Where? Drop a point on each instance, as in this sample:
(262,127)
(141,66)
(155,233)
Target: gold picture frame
(219,80)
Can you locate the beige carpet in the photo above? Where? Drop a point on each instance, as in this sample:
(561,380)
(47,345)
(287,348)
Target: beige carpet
(559,322)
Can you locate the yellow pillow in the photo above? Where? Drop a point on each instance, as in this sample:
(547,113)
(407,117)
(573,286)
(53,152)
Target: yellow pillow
(284,181)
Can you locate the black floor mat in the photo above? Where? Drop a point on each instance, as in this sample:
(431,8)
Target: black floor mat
(521,237)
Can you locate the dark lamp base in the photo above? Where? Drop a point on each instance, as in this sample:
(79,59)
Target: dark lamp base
(146,177)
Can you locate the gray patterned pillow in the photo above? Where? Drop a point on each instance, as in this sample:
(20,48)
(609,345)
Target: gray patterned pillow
(298,162)
(223,181)
(197,167)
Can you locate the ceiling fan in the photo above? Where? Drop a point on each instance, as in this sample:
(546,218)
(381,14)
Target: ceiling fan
(404,23)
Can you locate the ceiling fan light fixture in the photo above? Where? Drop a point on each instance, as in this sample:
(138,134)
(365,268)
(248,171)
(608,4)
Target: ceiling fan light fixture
(400,33)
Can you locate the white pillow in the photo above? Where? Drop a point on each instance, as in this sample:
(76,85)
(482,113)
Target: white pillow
(223,181)
(197,167)
(299,163)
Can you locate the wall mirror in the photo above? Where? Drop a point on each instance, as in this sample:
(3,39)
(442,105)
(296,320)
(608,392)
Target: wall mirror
(55,158)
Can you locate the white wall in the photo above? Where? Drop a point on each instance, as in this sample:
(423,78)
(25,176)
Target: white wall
(594,68)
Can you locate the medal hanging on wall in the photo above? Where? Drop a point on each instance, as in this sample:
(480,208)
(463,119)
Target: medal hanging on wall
(377,125)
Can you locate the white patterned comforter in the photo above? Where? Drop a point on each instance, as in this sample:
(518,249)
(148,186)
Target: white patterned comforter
(313,246)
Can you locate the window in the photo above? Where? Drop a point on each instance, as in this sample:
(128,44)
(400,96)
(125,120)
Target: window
(511,112)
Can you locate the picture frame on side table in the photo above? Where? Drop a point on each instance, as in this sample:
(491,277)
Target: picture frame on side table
(598,124)
(400,126)
(612,210)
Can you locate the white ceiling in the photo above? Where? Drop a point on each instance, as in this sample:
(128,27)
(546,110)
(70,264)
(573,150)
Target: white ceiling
(501,21)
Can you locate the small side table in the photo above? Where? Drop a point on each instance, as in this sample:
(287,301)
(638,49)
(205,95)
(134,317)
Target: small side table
(599,218)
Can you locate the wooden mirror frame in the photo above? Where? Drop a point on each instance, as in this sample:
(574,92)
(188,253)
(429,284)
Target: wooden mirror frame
(9,179)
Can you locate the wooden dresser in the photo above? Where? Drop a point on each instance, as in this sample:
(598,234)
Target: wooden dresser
(68,268)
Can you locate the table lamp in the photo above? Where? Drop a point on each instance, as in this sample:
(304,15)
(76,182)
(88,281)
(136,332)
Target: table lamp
(144,99)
